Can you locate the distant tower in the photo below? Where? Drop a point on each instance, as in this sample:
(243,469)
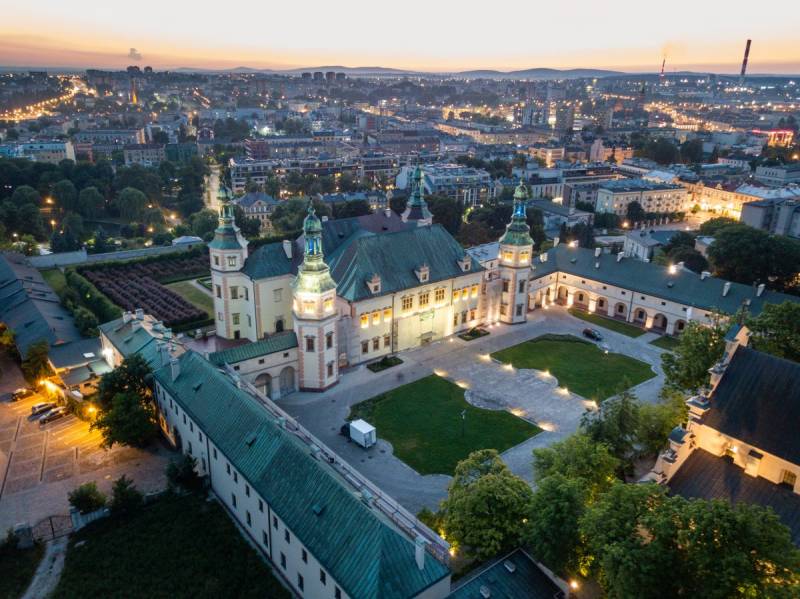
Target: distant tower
(661,76)
(314,293)
(744,63)
(516,249)
(416,208)
(228,251)
(133,96)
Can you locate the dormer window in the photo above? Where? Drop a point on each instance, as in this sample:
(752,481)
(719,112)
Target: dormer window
(423,273)
(374,284)
(465,263)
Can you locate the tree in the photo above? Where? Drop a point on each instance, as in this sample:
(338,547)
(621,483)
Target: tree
(692,151)
(712,226)
(351,209)
(691,258)
(36,366)
(250,227)
(446,212)
(485,506)
(125,497)
(615,424)
(288,216)
(65,195)
(25,194)
(86,321)
(87,498)
(29,221)
(553,531)
(635,213)
(91,202)
(131,204)
(699,348)
(776,330)
(657,420)
(132,376)
(160,137)
(203,222)
(577,457)
(471,234)
(130,421)
(183,474)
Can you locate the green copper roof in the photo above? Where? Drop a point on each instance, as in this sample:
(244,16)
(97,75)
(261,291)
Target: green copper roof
(268,261)
(395,257)
(227,235)
(684,287)
(417,208)
(360,549)
(313,276)
(517,231)
(129,341)
(272,344)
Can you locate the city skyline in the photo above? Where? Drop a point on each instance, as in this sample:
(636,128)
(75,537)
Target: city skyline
(420,38)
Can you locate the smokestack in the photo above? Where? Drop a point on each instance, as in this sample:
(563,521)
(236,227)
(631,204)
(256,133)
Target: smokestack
(663,62)
(744,62)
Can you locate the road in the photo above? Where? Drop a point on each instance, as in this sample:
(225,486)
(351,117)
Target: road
(212,188)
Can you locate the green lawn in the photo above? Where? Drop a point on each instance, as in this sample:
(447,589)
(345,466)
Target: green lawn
(666,342)
(608,323)
(580,366)
(55,278)
(422,421)
(16,569)
(176,547)
(193,295)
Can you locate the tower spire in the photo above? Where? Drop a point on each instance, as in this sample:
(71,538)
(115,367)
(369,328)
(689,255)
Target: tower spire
(417,208)
(313,275)
(518,231)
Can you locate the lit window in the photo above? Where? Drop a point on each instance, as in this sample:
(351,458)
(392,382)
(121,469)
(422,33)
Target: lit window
(232,261)
(408,303)
(364,321)
(376,317)
(438,296)
(524,257)
(328,304)
(308,307)
(508,256)
(424,299)
(474,291)
(387,314)
(456,294)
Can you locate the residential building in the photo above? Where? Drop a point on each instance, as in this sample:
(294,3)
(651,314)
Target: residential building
(144,154)
(111,136)
(615,196)
(779,216)
(778,175)
(258,205)
(51,152)
(471,186)
(642,244)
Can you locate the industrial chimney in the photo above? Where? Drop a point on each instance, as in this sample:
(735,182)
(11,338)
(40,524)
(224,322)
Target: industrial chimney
(744,62)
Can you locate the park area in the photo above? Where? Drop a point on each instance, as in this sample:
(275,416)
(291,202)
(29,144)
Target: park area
(423,422)
(17,567)
(608,323)
(175,547)
(580,366)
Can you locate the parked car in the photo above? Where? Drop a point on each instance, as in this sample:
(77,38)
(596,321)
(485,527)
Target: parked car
(21,394)
(38,408)
(592,334)
(54,414)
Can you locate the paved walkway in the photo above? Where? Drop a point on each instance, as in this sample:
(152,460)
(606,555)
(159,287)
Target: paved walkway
(525,392)
(48,573)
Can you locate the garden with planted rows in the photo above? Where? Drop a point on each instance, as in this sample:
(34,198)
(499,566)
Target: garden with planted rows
(139,285)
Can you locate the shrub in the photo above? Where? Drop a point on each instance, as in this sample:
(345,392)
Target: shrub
(182,474)
(87,498)
(91,297)
(86,321)
(125,497)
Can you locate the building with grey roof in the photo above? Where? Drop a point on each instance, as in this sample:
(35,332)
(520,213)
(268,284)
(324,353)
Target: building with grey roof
(653,196)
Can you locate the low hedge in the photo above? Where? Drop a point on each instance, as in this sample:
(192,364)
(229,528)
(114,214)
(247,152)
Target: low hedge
(91,297)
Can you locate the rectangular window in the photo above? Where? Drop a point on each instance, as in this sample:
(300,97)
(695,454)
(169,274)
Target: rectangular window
(233,499)
(249,519)
(376,317)
(472,314)
(524,257)
(235,317)
(505,286)
(438,295)
(235,476)
(232,261)
(246,293)
(323,578)
(408,302)
(329,340)
(464,317)
(327,305)
(277,295)
(283,561)
(364,321)
(304,556)
(456,294)
(228,468)
(286,536)
(474,291)
(337,593)
(215,453)
(387,314)
(364,347)
(330,369)
(275,522)
(216,260)
(300,581)
(376,344)
(264,538)
(309,344)
(424,299)
(234,293)
(387,341)
(218,291)
(260,506)
(522,287)
(455,319)
(247,489)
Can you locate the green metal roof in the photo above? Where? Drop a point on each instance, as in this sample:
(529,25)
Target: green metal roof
(129,341)
(527,580)
(366,555)
(395,257)
(684,287)
(517,231)
(272,344)
(267,261)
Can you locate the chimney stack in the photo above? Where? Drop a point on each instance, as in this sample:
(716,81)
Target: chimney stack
(419,552)
(287,248)
(619,256)
(139,314)
(597,252)
(127,316)
(387,213)
(704,275)
(760,290)
(174,367)
(726,288)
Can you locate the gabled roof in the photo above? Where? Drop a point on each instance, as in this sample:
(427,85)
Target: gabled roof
(274,343)
(758,402)
(252,197)
(395,257)
(269,261)
(129,340)
(683,286)
(358,546)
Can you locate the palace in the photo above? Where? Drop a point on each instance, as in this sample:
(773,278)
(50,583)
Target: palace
(356,290)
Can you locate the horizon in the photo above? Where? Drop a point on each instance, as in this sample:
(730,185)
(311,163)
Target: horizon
(423,38)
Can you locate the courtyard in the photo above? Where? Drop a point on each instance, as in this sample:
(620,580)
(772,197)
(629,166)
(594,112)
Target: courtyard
(579,365)
(432,427)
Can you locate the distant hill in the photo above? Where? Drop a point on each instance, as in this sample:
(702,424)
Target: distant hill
(539,73)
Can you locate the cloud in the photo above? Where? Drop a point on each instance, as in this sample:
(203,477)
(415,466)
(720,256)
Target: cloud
(134,54)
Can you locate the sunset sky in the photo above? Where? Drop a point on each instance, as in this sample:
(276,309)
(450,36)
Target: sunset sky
(422,35)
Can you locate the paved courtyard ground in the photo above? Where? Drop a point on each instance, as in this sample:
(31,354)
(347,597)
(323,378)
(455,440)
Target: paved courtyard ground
(39,465)
(527,393)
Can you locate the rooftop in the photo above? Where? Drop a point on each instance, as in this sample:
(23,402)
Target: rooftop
(274,343)
(706,476)
(626,185)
